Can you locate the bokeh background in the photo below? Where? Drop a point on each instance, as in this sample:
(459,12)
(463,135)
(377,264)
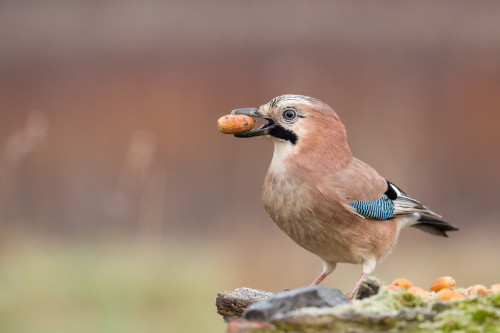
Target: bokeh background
(122,209)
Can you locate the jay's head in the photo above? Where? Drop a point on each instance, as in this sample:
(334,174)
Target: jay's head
(299,121)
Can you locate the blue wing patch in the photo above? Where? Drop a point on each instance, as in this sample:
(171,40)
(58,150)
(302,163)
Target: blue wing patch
(382,209)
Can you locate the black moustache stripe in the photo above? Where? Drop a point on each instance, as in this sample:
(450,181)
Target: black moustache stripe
(282,133)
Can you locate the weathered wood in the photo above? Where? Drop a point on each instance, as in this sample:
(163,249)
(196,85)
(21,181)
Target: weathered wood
(231,304)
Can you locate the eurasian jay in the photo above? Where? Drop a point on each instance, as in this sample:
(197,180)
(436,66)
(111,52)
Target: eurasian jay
(325,199)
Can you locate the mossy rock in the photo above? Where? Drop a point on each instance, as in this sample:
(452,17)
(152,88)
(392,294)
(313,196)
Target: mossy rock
(396,311)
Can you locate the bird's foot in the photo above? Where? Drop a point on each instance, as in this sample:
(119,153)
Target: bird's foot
(350,295)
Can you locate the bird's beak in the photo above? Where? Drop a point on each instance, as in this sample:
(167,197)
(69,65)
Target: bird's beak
(263,130)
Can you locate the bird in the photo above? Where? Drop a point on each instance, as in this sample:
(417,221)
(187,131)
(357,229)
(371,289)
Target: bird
(325,199)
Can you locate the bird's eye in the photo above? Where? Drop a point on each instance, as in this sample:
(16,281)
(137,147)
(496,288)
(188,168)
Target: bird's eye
(289,114)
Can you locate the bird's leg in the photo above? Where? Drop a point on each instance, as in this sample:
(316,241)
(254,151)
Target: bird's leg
(327,269)
(350,295)
(319,278)
(368,268)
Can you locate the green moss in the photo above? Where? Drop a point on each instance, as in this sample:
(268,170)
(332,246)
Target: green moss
(396,311)
(495,300)
(477,314)
(385,302)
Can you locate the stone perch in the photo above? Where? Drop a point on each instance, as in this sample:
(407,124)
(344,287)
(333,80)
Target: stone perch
(320,309)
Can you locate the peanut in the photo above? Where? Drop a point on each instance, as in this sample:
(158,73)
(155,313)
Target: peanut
(447,294)
(477,289)
(392,287)
(235,123)
(418,292)
(403,283)
(442,283)
(495,288)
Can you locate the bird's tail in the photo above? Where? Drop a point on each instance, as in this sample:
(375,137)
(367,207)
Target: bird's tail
(434,225)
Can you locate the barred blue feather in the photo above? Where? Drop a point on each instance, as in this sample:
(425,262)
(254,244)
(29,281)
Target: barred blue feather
(382,209)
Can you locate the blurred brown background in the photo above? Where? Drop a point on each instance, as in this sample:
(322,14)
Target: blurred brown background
(123,209)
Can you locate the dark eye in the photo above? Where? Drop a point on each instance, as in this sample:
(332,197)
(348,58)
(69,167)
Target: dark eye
(289,114)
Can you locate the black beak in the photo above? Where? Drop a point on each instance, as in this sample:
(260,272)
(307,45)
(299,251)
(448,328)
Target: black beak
(263,130)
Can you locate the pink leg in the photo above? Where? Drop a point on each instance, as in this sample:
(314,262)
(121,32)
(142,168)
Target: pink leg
(327,269)
(368,267)
(350,295)
(319,278)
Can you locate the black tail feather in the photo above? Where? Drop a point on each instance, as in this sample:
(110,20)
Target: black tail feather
(434,226)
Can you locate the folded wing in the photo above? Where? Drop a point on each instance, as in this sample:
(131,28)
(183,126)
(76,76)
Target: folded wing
(394,202)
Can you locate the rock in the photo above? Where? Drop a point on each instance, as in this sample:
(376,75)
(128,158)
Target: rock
(231,304)
(278,305)
(368,288)
(388,311)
